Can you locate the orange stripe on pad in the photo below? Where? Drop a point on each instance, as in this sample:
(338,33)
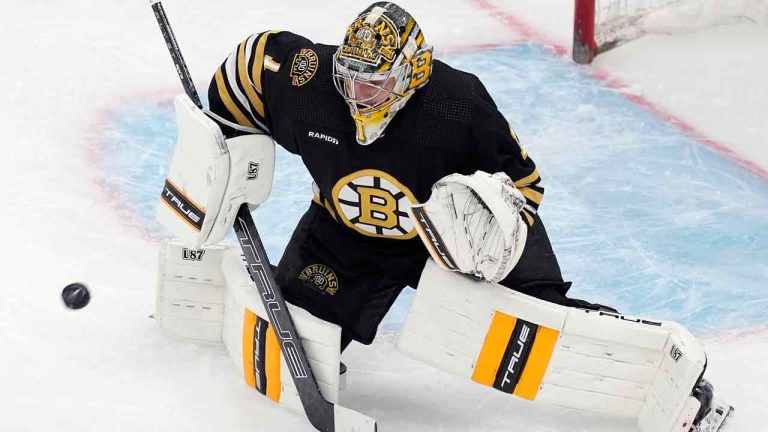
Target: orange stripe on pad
(192,202)
(538,361)
(249,323)
(492,352)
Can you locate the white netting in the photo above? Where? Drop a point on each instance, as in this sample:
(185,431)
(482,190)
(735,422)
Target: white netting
(620,20)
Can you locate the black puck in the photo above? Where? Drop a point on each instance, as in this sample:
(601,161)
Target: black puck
(75,295)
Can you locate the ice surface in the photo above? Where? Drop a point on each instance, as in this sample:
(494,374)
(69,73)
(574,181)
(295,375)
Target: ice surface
(641,216)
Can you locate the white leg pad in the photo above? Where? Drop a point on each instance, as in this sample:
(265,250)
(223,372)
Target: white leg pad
(190,292)
(207,296)
(258,357)
(585,360)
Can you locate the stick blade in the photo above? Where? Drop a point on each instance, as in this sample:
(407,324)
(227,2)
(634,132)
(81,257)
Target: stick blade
(723,413)
(347,420)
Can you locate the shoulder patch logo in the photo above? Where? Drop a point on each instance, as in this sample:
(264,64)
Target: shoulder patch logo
(304,66)
(320,278)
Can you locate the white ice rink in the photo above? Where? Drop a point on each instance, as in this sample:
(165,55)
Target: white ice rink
(633,187)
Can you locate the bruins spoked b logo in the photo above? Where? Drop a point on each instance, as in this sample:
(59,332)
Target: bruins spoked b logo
(304,67)
(375,204)
(320,278)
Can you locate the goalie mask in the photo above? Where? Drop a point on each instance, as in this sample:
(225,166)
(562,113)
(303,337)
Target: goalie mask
(381,63)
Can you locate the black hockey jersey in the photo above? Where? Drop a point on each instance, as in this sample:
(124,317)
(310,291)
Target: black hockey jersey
(281,84)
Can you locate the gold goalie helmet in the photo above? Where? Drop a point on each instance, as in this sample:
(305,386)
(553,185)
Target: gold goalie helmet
(381,63)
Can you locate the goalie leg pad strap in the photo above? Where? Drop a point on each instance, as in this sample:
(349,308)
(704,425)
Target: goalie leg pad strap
(594,361)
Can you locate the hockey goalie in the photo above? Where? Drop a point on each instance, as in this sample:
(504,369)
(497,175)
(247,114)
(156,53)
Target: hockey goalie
(418,181)
(462,321)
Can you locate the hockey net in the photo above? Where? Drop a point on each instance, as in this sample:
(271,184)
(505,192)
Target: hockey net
(600,25)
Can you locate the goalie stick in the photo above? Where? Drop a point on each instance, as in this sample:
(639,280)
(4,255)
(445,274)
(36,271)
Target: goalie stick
(323,415)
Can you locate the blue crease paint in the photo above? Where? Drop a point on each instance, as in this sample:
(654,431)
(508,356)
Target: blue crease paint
(641,216)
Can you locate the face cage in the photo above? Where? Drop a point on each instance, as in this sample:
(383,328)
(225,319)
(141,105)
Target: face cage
(345,79)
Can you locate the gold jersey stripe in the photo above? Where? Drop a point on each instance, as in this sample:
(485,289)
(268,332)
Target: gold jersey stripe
(329,207)
(537,363)
(273,365)
(242,71)
(492,352)
(249,324)
(528,217)
(523,153)
(221,86)
(530,178)
(258,63)
(419,39)
(532,195)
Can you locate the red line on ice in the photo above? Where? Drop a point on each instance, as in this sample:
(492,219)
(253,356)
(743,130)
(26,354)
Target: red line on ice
(530,34)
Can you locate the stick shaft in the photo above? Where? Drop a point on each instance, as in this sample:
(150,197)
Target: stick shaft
(173,48)
(319,411)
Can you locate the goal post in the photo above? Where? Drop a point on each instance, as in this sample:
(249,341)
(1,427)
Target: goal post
(584,45)
(600,25)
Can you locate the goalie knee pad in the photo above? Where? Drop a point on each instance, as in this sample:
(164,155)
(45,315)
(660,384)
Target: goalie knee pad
(206,295)
(190,292)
